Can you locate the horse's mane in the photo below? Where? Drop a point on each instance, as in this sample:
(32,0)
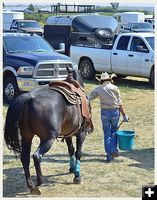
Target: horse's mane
(77,76)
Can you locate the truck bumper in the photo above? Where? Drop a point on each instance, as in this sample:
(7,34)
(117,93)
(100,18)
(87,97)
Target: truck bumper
(27,84)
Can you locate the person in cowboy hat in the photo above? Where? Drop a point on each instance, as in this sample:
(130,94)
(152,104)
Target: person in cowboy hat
(111,107)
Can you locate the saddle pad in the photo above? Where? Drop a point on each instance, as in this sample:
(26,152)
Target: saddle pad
(64,84)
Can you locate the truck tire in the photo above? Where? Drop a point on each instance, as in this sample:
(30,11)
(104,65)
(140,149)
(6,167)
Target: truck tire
(10,89)
(151,80)
(87,69)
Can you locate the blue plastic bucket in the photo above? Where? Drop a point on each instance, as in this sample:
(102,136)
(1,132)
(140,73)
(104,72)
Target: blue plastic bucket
(126,140)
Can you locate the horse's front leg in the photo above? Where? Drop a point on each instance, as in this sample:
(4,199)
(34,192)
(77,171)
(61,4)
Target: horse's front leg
(25,159)
(42,149)
(79,142)
(71,154)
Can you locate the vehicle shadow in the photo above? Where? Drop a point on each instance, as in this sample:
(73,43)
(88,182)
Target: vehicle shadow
(144,158)
(64,158)
(130,82)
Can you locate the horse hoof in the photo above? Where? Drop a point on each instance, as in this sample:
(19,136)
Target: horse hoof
(39,182)
(35,191)
(77,180)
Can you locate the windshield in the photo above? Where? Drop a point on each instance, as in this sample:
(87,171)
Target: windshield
(141,26)
(29,25)
(150,40)
(26,44)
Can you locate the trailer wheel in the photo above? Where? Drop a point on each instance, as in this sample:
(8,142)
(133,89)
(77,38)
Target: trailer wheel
(103,33)
(10,89)
(87,69)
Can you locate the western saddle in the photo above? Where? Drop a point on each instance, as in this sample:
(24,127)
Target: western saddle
(74,94)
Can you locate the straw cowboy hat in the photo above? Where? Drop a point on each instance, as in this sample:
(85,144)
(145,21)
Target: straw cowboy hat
(104,77)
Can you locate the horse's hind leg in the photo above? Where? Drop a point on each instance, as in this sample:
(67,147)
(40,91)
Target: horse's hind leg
(79,142)
(25,159)
(71,154)
(42,149)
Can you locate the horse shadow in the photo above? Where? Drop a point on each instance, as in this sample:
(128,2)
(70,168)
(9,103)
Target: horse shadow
(14,183)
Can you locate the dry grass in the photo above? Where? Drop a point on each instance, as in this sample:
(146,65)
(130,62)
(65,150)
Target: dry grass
(123,178)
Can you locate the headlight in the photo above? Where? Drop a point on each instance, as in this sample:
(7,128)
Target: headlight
(75,66)
(25,70)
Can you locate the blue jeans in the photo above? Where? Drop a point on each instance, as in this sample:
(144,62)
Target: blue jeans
(110,119)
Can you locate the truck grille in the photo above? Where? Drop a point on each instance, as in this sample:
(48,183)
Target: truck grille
(51,70)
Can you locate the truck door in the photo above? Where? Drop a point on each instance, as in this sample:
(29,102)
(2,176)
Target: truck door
(138,58)
(119,56)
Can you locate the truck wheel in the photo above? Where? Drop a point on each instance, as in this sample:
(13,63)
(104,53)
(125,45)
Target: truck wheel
(10,89)
(87,69)
(151,80)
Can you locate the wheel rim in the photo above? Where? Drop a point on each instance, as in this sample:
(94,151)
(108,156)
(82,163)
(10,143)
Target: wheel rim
(85,70)
(9,91)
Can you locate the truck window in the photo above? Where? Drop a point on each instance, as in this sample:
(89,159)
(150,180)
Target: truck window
(138,45)
(26,44)
(123,43)
(150,40)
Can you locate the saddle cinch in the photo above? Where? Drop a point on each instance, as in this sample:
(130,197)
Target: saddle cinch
(74,94)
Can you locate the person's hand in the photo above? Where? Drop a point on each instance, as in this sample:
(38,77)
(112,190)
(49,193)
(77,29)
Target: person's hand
(125,118)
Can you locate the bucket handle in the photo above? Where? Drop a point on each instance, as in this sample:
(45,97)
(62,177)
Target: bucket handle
(120,125)
(127,122)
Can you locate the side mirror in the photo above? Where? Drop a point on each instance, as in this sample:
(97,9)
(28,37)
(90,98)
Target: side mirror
(140,48)
(61,48)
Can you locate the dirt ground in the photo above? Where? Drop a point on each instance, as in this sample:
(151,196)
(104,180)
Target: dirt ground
(122,178)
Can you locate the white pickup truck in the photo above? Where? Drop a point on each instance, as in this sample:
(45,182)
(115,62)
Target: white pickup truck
(132,54)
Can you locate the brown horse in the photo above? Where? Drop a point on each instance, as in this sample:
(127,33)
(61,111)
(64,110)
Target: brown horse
(46,113)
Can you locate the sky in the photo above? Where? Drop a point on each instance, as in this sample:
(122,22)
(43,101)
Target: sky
(106,2)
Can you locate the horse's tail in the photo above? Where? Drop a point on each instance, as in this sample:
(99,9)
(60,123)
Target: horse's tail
(11,130)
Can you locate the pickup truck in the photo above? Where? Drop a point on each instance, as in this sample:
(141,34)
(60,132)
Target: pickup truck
(137,27)
(131,54)
(27,26)
(28,62)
